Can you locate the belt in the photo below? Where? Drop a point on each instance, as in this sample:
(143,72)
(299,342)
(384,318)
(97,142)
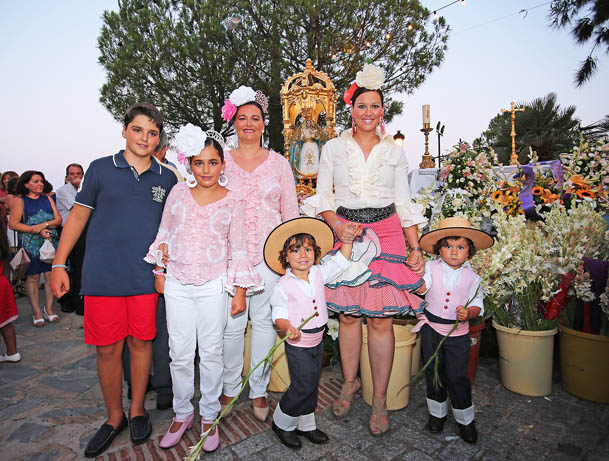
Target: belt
(366,215)
(313,330)
(435,319)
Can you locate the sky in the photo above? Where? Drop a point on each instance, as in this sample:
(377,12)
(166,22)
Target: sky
(49,87)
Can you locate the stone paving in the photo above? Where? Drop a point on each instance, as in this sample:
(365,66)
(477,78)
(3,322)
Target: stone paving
(51,404)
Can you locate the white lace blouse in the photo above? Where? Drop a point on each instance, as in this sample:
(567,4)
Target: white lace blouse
(359,183)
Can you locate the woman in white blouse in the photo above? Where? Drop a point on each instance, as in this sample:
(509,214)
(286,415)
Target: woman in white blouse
(363,178)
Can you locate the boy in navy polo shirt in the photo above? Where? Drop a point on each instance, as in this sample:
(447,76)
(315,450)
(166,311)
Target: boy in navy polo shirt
(122,197)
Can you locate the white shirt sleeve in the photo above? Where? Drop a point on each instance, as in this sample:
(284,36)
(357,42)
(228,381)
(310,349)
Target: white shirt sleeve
(279,303)
(479,299)
(427,277)
(64,204)
(333,266)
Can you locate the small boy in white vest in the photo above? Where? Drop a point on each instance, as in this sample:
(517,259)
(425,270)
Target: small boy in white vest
(293,249)
(450,283)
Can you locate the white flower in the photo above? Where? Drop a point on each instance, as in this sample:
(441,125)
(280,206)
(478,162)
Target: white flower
(370,77)
(333,328)
(190,140)
(242,95)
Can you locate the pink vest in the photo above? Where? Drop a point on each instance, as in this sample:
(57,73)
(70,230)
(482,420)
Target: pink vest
(301,306)
(443,302)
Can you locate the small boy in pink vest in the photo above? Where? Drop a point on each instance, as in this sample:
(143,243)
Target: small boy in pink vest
(293,249)
(450,283)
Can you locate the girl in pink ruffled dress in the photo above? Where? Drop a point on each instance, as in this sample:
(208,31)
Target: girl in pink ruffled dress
(202,240)
(268,183)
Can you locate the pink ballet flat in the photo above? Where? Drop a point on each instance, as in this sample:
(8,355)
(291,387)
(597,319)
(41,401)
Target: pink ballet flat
(171,439)
(213,440)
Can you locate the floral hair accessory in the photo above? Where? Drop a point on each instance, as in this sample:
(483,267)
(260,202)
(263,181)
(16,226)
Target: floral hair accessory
(240,96)
(190,141)
(370,77)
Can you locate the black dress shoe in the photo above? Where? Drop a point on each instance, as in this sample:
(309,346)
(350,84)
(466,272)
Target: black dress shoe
(103,438)
(435,424)
(288,438)
(314,436)
(164,401)
(468,432)
(140,429)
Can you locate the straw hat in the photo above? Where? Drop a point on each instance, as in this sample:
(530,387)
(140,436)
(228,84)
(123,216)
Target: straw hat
(457,226)
(324,237)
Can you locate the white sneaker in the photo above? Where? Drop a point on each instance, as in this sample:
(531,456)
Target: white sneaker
(16,357)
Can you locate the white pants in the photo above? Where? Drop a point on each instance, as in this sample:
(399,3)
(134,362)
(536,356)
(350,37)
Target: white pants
(263,339)
(195,314)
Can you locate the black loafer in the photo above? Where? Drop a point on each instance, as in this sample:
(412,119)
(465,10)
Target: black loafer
(288,438)
(140,429)
(164,401)
(435,424)
(315,436)
(103,438)
(468,432)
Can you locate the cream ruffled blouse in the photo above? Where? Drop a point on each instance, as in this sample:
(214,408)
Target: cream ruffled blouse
(359,183)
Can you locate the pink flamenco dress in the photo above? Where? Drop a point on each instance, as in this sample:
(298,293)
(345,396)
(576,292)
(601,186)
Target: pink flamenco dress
(377,187)
(8,306)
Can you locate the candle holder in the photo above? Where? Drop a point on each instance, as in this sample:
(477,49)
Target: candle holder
(427,160)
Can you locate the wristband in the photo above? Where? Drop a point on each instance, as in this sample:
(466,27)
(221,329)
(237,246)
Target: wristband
(417,249)
(336,225)
(161,273)
(59,265)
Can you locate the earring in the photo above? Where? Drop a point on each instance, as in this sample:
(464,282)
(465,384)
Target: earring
(192,184)
(382,125)
(222,180)
(352,125)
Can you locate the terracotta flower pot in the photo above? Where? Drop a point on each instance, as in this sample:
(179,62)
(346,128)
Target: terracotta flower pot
(475,335)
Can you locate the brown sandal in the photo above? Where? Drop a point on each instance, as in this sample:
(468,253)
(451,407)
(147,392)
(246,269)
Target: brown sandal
(346,394)
(379,412)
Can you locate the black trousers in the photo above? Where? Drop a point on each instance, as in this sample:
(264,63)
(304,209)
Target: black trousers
(304,364)
(452,368)
(161,378)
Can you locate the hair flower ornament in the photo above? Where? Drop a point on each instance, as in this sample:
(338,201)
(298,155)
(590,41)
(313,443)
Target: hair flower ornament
(240,96)
(370,77)
(190,141)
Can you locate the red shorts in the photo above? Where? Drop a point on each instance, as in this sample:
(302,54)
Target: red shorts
(109,319)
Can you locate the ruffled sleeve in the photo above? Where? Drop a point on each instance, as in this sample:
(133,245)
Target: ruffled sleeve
(288,200)
(410,213)
(324,199)
(240,272)
(163,235)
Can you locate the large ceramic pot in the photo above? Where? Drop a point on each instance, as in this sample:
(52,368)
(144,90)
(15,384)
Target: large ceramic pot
(584,364)
(525,360)
(397,394)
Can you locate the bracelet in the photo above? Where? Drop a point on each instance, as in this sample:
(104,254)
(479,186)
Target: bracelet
(417,249)
(59,265)
(161,273)
(336,225)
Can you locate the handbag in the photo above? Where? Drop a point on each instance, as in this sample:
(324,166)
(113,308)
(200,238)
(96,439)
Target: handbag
(19,264)
(47,252)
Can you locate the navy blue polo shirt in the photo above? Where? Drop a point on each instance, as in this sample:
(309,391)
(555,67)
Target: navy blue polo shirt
(125,217)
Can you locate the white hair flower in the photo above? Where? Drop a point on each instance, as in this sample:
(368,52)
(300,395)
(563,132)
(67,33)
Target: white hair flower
(370,77)
(190,140)
(242,95)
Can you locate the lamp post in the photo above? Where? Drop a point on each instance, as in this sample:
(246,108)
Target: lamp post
(440,131)
(399,138)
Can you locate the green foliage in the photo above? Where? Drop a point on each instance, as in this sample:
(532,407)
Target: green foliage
(544,126)
(178,55)
(589,23)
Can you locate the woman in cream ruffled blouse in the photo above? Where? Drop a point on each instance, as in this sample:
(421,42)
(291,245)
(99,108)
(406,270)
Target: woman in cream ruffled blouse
(363,178)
